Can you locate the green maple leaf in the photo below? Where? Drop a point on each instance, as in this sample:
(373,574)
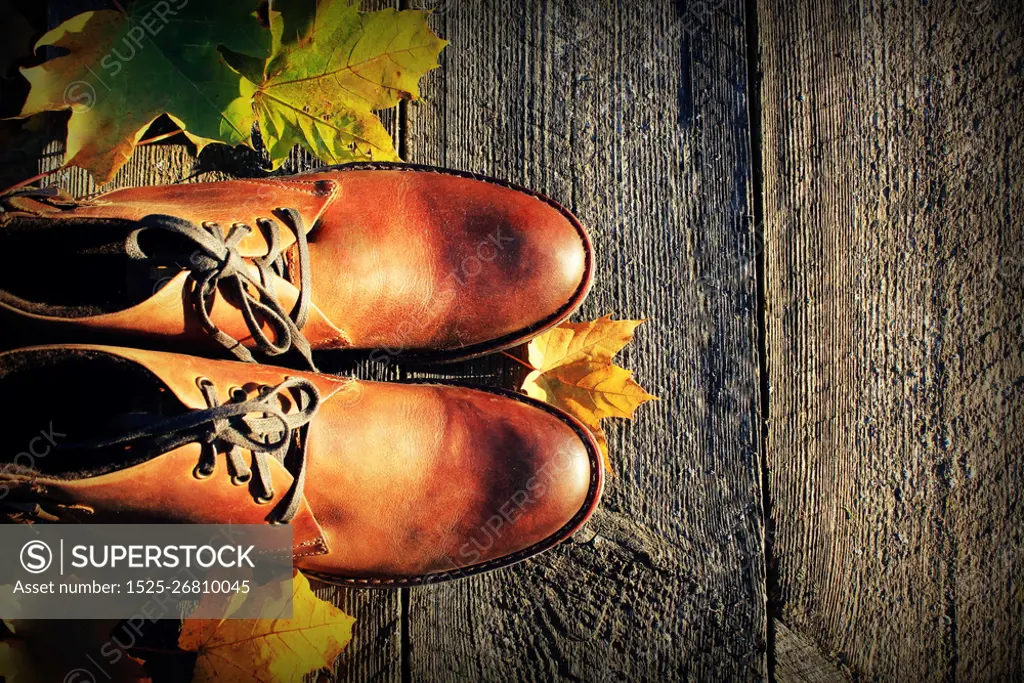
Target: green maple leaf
(123,70)
(314,78)
(330,66)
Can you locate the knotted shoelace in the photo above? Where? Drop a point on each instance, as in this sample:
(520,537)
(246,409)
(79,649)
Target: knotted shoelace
(212,258)
(257,425)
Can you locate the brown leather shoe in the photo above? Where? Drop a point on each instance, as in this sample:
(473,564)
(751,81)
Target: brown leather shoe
(436,264)
(384,484)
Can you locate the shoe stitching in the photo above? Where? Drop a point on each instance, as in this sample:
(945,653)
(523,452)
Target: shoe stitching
(290,185)
(318,545)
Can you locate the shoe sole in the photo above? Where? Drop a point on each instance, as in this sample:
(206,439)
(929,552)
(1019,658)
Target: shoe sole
(568,529)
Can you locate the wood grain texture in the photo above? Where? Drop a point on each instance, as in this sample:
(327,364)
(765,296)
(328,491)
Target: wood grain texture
(634,115)
(893,138)
(798,660)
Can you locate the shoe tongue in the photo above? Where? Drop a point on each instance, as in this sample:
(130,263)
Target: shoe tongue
(291,264)
(35,201)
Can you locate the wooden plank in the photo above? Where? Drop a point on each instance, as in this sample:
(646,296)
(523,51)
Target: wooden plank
(640,126)
(798,660)
(375,651)
(893,155)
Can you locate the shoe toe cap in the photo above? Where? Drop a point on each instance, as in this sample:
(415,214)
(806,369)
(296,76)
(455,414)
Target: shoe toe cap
(456,264)
(457,481)
(540,268)
(538,478)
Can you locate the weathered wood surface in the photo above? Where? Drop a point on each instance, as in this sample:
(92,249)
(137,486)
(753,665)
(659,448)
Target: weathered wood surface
(798,660)
(892,143)
(636,118)
(892,151)
(634,115)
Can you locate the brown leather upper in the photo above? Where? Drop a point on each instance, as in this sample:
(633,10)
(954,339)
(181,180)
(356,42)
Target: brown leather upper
(402,258)
(404,481)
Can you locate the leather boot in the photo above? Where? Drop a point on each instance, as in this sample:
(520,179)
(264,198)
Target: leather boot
(384,484)
(432,264)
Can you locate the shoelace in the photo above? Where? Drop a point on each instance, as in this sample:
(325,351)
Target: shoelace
(214,260)
(257,425)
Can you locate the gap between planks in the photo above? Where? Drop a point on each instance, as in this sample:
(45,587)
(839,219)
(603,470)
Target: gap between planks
(756,141)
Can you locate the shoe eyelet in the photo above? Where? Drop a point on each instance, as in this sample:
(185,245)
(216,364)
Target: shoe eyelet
(238,394)
(199,473)
(260,500)
(241,479)
(203,382)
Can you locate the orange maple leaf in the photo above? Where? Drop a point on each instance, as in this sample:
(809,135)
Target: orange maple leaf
(572,369)
(269,650)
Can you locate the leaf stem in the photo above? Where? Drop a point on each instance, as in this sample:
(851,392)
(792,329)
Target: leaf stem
(518,360)
(29,181)
(158,138)
(45,174)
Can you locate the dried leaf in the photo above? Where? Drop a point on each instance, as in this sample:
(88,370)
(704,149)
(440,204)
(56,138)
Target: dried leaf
(124,69)
(597,340)
(329,71)
(269,650)
(573,371)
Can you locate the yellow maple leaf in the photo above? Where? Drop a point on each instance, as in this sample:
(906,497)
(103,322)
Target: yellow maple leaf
(573,370)
(269,650)
(597,340)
